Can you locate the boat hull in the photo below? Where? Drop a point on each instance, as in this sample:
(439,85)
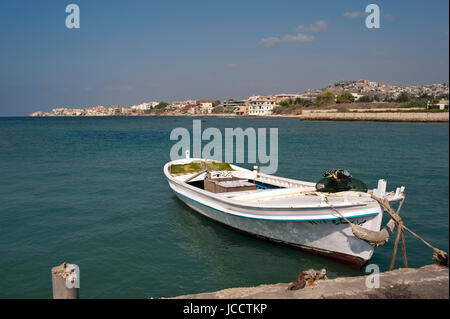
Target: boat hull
(331,238)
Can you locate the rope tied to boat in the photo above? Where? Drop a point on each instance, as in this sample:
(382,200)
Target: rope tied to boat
(379,238)
(374,238)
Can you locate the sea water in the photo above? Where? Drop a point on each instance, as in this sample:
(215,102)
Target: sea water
(91,191)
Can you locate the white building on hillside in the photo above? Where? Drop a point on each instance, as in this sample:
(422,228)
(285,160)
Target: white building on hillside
(180,105)
(356,96)
(261,104)
(205,106)
(145,106)
(284,96)
(443,104)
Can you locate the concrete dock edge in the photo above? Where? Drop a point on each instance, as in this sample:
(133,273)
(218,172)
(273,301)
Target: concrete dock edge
(428,282)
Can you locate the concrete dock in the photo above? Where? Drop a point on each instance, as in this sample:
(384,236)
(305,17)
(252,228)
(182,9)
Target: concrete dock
(428,282)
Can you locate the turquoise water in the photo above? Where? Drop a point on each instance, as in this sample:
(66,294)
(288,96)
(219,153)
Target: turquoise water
(91,191)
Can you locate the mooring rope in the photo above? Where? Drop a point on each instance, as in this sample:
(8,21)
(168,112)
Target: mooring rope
(379,238)
(440,256)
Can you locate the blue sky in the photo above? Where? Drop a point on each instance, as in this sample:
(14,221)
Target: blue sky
(127,52)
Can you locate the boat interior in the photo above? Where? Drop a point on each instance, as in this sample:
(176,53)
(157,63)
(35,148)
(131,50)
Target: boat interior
(252,186)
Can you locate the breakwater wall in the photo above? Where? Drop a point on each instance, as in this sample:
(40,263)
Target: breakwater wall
(379,116)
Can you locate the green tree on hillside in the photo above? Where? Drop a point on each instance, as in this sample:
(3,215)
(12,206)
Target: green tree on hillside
(161,106)
(326,98)
(298,102)
(403,98)
(365,98)
(284,103)
(218,109)
(420,103)
(345,97)
(302,102)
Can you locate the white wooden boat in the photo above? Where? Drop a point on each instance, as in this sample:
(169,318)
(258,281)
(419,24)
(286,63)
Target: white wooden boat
(284,210)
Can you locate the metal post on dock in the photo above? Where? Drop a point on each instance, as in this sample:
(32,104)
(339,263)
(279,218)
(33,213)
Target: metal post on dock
(66,281)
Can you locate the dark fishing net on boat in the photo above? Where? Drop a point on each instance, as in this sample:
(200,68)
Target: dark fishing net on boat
(198,166)
(338,180)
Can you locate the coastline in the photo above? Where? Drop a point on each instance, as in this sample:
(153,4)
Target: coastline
(329,115)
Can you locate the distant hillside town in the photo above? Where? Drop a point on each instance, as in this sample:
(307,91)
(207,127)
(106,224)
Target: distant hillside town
(362,91)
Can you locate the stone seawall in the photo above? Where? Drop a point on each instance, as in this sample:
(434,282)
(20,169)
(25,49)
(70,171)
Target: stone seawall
(382,116)
(428,282)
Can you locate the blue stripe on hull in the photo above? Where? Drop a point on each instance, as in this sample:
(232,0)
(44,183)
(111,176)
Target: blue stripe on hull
(279,220)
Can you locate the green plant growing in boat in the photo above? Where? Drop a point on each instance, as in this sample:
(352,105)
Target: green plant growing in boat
(198,166)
